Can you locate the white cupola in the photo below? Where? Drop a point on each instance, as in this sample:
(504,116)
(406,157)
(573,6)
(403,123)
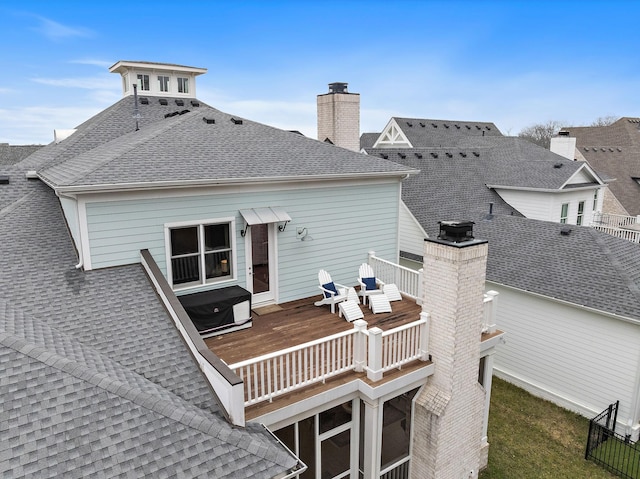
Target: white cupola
(158,79)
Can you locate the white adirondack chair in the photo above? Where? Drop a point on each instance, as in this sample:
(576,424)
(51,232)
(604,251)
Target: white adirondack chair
(332,293)
(367,279)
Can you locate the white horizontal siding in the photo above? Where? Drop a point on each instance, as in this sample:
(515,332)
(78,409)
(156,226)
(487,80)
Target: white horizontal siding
(547,206)
(576,358)
(412,236)
(345,222)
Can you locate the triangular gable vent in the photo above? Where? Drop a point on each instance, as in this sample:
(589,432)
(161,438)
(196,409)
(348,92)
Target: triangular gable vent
(392,136)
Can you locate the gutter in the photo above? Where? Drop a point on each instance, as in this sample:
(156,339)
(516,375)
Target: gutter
(542,190)
(113,187)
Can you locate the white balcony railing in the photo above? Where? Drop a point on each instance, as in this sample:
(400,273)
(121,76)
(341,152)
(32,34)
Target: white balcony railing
(620,226)
(359,349)
(406,279)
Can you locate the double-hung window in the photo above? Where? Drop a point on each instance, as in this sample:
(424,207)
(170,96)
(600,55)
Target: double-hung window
(143,82)
(200,253)
(580,213)
(183,85)
(564,212)
(163,83)
(595,200)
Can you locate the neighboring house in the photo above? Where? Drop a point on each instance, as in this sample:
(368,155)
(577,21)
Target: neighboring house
(614,151)
(10,154)
(161,200)
(527,179)
(568,295)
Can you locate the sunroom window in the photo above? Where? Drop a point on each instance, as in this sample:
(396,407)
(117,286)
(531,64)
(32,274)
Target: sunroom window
(200,254)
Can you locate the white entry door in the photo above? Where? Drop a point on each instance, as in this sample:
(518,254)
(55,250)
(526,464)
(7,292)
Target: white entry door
(261,263)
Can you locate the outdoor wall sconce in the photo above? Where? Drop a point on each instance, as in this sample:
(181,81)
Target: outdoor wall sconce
(244,231)
(303,234)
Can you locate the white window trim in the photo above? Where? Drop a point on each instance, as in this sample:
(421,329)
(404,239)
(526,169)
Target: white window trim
(565,218)
(580,215)
(213,221)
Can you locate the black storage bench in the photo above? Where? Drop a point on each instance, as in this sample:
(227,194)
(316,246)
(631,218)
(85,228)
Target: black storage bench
(218,311)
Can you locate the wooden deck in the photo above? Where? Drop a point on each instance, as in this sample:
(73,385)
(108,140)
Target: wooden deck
(299,322)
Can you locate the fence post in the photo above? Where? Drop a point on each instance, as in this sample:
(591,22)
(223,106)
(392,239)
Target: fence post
(374,369)
(359,346)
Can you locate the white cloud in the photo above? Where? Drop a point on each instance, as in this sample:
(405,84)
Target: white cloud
(94,62)
(88,83)
(57,31)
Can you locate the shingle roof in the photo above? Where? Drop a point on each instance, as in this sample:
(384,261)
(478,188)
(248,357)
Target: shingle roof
(424,132)
(614,150)
(95,379)
(187,148)
(586,267)
(11,154)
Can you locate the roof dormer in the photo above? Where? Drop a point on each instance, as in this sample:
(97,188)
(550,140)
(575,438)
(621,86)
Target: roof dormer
(158,79)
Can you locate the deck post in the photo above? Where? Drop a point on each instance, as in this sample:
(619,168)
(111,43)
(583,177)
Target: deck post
(374,369)
(360,345)
(424,337)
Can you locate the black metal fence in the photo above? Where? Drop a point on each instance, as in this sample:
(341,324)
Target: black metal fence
(611,450)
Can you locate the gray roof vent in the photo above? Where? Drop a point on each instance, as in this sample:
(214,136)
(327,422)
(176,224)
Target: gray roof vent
(4,180)
(563,133)
(565,231)
(468,127)
(434,154)
(449,155)
(457,126)
(402,155)
(445,125)
(195,103)
(384,155)
(144,101)
(173,113)
(180,102)
(422,124)
(409,124)
(236,121)
(338,87)
(163,101)
(208,121)
(418,155)
(476,154)
(434,125)
(463,154)
(182,112)
(557,165)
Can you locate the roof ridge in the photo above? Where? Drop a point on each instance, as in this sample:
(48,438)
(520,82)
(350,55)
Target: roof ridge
(14,204)
(146,133)
(599,238)
(103,381)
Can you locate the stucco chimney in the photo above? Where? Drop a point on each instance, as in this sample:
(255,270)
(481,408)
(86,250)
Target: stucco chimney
(339,117)
(564,145)
(449,410)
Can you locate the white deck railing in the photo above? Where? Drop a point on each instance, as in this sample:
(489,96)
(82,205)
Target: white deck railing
(629,235)
(274,374)
(406,279)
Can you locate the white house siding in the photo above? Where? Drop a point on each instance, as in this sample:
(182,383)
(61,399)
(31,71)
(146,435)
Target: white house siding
(581,177)
(411,234)
(547,206)
(578,359)
(345,220)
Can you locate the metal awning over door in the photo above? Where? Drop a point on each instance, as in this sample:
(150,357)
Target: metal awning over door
(261,216)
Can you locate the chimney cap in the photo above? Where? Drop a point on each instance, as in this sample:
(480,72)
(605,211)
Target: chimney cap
(456,233)
(338,87)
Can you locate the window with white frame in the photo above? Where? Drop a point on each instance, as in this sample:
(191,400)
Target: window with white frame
(183,85)
(580,213)
(143,82)
(200,253)
(163,83)
(595,200)
(564,212)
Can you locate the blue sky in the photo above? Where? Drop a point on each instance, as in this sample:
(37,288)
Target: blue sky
(510,62)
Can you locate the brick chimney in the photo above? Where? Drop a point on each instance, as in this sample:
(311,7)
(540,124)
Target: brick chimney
(449,411)
(339,117)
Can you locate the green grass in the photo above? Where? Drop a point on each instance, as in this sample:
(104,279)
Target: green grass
(530,438)
(629,457)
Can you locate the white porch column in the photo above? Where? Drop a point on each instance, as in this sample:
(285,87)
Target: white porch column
(360,345)
(374,369)
(372,438)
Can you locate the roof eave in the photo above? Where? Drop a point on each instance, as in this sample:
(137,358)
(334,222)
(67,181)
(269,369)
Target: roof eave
(541,190)
(113,187)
